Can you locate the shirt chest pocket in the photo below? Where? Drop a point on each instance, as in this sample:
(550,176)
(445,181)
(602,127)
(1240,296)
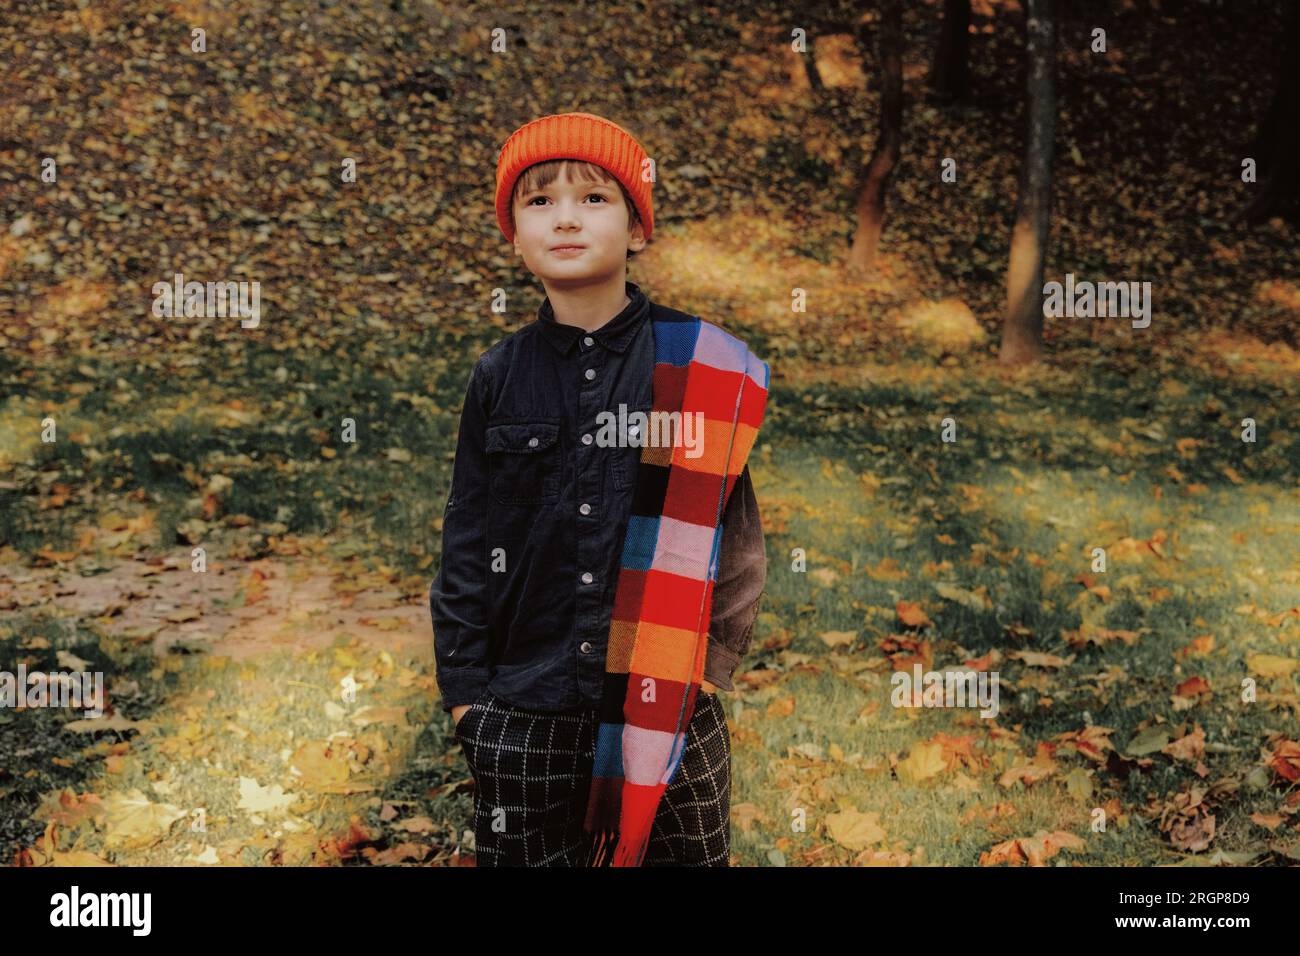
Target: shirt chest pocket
(625,459)
(524,462)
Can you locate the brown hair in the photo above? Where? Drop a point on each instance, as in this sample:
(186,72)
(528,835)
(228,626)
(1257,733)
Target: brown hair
(541,175)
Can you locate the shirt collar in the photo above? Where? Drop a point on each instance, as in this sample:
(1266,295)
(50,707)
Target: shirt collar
(614,334)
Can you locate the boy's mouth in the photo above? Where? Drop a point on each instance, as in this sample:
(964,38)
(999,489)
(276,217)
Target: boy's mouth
(567,250)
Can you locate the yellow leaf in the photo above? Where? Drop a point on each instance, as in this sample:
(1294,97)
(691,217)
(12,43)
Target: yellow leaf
(972,600)
(1271,665)
(887,570)
(132,820)
(116,722)
(1041,659)
(380,715)
(322,764)
(255,798)
(855,830)
(926,760)
(384,623)
(838,638)
(824,576)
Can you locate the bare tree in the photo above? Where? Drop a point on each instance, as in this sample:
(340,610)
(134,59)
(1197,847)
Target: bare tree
(1022,329)
(875,180)
(950,74)
(810,68)
(1277,140)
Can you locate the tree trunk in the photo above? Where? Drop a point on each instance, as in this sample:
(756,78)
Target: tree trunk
(1277,141)
(810,68)
(875,180)
(950,74)
(1022,330)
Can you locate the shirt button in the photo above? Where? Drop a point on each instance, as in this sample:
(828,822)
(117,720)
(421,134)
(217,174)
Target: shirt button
(591,373)
(588,341)
(532,443)
(586,577)
(586,439)
(585,508)
(585,647)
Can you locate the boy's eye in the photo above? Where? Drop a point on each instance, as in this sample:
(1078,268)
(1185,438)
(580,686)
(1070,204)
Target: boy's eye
(599,196)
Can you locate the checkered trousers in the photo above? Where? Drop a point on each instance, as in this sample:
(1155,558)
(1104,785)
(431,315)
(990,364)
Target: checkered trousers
(533,772)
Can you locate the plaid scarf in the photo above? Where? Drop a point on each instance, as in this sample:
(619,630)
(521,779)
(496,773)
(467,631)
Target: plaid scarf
(658,635)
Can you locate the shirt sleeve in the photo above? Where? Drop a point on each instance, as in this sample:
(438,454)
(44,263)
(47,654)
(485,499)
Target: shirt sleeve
(458,600)
(742,573)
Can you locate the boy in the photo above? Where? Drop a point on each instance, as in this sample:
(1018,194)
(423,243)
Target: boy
(552,537)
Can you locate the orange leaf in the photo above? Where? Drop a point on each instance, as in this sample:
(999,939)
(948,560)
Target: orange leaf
(1192,687)
(1269,821)
(1188,747)
(1285,760)
(910,613)
(1034,850)
(1043,765)
(1197,647)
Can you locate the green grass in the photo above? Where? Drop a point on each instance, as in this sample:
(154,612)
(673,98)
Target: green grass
(1046,493)
(1039,475)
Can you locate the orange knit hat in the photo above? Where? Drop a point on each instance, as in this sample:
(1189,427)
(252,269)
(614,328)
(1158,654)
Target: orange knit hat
(583,136)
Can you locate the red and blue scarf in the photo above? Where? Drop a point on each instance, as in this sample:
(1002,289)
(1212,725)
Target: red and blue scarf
(658,635)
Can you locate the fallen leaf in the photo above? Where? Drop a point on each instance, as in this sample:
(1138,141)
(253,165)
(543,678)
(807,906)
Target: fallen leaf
(1192,834)
(415,825)
(925,760)
(1192,687)
(132,820)
(1198,646)
(1151,740)
(1188,747)
(255,798)
(1271,665)
(838,638)
(67,809)
(72,662)
(1041,659)
(910,614)
(90,725)
(380,715)
(1285,760)
(1269,821)
(1035,850)
(970,599)
(855,830)
(1041,766)
(824,576)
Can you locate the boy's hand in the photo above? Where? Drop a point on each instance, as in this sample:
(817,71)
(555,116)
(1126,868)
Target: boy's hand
(458,712)
(707,687)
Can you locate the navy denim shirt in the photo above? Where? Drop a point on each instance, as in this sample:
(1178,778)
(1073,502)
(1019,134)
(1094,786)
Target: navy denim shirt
(533,527)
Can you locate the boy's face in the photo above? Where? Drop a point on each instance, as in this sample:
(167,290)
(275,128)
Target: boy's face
(569,212)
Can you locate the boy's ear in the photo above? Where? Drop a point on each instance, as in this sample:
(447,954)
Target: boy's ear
(636,240)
